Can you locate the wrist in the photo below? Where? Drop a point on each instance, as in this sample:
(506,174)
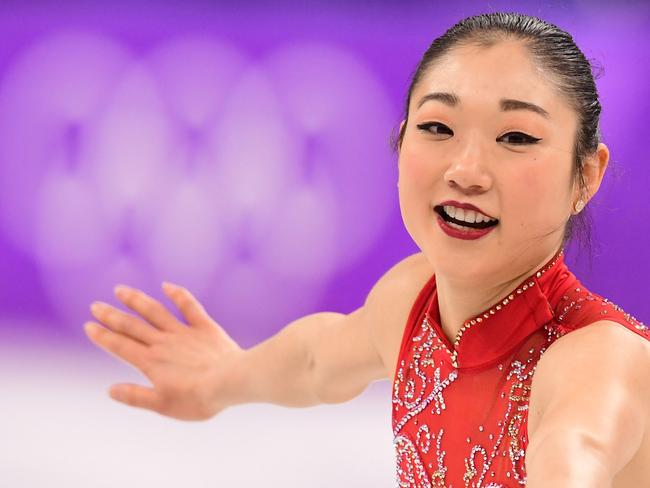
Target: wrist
(237,379)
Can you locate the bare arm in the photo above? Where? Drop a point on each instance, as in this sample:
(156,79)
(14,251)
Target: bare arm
(197,370)
(362,347)
(595,391)
(280,369)
(331,357)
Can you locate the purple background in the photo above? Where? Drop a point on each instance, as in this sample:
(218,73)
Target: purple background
(280,114)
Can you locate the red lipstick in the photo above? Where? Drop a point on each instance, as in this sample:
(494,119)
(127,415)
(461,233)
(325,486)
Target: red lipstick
(469,234)
(466,232)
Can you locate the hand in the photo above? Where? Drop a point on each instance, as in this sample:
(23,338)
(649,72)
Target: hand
(187,364)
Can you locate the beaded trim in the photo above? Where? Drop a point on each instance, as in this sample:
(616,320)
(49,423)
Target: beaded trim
(492,311)
(575,304)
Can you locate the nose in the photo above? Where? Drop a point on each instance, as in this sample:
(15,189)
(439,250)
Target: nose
(467,170)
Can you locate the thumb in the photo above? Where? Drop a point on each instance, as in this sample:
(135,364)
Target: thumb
(135,396)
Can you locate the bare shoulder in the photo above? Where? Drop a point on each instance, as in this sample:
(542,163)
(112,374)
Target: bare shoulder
(389,303)
(604,358)
(601,344)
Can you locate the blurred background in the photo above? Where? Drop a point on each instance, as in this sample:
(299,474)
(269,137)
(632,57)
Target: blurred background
(240,150)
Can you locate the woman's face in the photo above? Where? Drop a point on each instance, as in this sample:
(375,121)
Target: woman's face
(473,145)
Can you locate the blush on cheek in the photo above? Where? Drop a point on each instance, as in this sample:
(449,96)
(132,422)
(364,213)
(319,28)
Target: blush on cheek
(531,183)
(417,170)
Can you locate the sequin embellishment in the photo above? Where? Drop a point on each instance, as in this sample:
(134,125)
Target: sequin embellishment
(457,428)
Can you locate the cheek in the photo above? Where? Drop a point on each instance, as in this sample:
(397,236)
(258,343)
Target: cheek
(417,177)
(537,200)
(416,167)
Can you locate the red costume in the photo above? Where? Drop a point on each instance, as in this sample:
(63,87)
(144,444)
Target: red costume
(460,410)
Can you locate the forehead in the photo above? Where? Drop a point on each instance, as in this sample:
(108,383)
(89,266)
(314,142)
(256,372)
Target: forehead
(482,75)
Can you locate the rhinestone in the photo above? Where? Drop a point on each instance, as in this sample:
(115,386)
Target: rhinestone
(480,427)
(491,311)
(511,297)
(468,440)
(479,319)
(498,307)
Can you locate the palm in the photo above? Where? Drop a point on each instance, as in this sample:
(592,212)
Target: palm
(186,363)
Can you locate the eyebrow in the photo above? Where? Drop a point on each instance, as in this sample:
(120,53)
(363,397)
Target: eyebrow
(505,104)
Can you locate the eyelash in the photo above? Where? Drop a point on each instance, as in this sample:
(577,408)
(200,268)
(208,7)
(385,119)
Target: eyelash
(527,139)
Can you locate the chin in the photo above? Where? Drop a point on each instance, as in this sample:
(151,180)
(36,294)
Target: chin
(461,271)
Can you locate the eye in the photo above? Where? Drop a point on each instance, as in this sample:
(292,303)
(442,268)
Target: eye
(440,128)
(520,139)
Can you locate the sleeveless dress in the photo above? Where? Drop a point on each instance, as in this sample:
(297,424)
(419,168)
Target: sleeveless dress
(460,411)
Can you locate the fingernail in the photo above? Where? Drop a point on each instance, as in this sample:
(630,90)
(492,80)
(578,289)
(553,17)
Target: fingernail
(120,290)
(168,286)
(90,327)
(116,393)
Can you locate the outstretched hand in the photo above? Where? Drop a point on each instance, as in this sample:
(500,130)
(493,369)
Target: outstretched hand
(187,364)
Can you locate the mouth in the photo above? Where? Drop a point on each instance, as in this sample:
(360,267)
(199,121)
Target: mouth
(465,219)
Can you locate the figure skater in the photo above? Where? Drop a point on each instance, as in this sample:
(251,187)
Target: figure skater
(506,370)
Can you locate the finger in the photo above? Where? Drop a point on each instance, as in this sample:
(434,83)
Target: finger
(118,345)
(124,323)
(188,305)
(136,396)
(153,311)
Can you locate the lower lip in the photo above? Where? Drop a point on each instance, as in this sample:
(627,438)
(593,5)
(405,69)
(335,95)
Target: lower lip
(467,235)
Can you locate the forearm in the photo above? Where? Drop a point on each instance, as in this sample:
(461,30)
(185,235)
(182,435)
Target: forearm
(279,370)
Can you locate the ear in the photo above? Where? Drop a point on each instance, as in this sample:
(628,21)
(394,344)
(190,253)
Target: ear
(594,170)
(401,128)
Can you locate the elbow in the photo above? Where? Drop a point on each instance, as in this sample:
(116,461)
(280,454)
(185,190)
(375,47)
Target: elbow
(565,463)
(333,392)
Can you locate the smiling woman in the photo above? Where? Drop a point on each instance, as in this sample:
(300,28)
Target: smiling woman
(499,152)
(506,370)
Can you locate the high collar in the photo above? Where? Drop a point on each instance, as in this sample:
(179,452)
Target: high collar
(487,338)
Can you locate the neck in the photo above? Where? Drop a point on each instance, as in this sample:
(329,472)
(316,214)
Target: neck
(459,301)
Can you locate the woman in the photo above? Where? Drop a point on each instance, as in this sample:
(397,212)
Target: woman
(499,154)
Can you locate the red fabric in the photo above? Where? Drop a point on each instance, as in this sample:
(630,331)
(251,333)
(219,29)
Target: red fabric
(460,411)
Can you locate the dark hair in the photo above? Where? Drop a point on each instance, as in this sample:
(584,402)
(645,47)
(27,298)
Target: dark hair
(553,49)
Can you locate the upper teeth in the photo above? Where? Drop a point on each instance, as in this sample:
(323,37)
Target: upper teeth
(466,215)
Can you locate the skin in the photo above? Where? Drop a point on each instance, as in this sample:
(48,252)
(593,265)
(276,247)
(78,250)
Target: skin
(188,363)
